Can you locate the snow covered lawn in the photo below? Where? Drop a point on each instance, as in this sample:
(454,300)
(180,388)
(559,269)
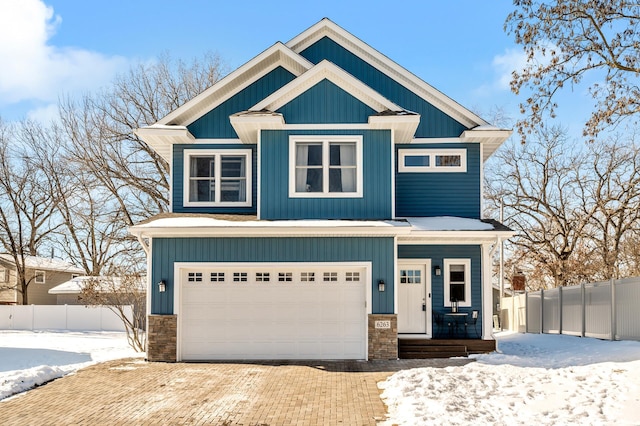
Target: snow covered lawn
(536,379)
(30,358)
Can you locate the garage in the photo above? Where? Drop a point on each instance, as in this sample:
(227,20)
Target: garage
(272,311)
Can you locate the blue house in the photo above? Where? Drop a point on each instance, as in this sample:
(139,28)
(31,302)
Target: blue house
(325,202)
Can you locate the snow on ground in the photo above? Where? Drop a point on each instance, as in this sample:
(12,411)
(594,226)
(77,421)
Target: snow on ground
(31,358)
(534,379)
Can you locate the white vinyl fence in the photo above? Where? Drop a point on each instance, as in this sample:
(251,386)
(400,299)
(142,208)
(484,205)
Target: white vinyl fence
(605,310)
(61,317)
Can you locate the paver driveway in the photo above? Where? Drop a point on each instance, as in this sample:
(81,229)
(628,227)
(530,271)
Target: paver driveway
(134,392)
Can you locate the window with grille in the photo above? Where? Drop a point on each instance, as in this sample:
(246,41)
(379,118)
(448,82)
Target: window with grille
(239,277)
(285,276)
(330,276)
(217,277)
(352,276)
(194,277)
(262,276)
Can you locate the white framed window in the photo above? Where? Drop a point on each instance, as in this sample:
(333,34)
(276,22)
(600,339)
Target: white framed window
(457,282)
(432,160)
(217,177)
(325,166)
(40,277)
(4,275)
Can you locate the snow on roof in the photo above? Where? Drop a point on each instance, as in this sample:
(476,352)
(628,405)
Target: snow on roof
(251,221)
(76,285)
(49,264)
(448,223)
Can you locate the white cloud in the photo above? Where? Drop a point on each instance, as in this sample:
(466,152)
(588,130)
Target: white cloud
(34,70)
(505,64)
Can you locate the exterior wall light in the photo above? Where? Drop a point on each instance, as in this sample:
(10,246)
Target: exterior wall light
(436,270)
(162,286)
(381,285)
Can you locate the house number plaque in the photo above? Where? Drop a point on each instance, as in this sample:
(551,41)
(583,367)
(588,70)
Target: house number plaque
(383,324)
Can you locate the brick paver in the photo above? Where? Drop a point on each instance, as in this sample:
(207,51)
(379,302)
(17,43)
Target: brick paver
(135,392)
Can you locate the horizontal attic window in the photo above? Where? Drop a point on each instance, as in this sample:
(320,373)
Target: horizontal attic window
(432,160)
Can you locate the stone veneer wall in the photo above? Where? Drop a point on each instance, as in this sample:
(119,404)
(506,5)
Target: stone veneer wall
(383,342)
(162,338)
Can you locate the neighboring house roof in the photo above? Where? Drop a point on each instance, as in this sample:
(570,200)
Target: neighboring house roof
(106,284)
(44,263)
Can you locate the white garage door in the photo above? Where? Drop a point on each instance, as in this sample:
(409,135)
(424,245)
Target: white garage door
(264,311)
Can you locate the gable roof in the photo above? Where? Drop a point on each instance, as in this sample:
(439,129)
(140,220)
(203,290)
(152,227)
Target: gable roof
(172,128)
(44,263)
(263,116)
(327,28)
(275,56)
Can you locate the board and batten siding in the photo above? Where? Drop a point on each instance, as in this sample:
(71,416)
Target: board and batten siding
(216,124)
(437,254)
(433,123)
(325,103)
(374,204)
(440,194)
(178,180)
(377,250)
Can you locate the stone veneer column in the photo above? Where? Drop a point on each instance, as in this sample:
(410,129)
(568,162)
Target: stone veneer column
(383,342)
(162,336)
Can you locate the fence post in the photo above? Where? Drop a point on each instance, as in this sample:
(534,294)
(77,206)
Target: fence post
(541,311)
(526,311)
(613,310)
(560,310)
(584,310)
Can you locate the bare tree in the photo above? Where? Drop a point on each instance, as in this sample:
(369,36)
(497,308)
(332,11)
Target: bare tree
(614,191)
(120,291)
(101,128)
(566,41)
(27,201)
(539,184)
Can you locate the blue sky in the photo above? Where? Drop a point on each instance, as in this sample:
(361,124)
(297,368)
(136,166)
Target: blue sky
(55,47)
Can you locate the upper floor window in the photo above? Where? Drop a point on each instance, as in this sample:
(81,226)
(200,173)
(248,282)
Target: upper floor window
(325,166)
(40,277)
(217,178)
(457,282)
(432,160)
(4,275)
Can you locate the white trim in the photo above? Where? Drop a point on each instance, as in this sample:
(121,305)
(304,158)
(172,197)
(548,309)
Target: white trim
(325,140)
(262,64)
(393,175)
(325,70)
(467,281)
(258,177)
(40,273)
(481,180)
(214,141)
(149,254)
(432,153)
(177,288)
(395,275)
(487,292)
(216,153)
(376,59)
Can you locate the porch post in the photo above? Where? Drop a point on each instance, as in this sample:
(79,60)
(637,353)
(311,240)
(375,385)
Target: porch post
(487,294)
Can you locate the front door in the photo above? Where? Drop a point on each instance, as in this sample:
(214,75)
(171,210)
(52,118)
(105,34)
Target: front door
(414,297)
